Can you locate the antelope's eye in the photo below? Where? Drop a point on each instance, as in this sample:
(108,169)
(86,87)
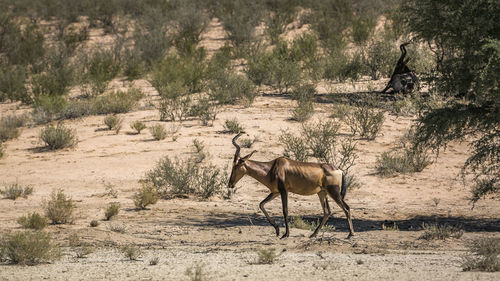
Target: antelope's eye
(240,162)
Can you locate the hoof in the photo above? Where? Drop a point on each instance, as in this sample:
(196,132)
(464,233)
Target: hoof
(284,236)
(312,235)
(350,235)
(277,232)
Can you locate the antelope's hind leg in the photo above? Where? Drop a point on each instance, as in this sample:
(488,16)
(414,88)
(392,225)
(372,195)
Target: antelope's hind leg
(284,202)
(271,221)
(334,192)
(323,199)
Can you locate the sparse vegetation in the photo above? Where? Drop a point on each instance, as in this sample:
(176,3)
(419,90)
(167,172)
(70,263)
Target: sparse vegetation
(29,247)
(300,223)
(365,121)
(232,126)
(83,252)
(118,228)
(94,223)
(440,231)
(158,132)
(145,196)
(138,126)
(9,127)
(16,190)
(132,252)
(58,137)
(33,221)
(59,208)
(484,255)
(266,256)
(154,261)
(112,210)
(197,273)
(388,227)
(113,122)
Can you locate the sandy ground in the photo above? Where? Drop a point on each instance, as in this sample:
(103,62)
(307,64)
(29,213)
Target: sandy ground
(223,236)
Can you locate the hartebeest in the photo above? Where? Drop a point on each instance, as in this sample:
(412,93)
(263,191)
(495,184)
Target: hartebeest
(283,175)
(402,78)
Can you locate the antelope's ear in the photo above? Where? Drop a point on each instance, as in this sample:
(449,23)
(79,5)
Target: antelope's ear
(248,156)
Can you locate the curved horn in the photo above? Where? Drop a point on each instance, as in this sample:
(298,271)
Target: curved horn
(237,153)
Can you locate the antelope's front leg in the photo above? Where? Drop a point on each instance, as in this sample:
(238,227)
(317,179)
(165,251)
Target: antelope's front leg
(284,201)
(271,221)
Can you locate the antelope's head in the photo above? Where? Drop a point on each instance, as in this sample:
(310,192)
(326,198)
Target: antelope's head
(239,168)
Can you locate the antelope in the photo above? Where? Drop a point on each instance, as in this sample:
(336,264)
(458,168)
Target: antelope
(402,78)
(283,175)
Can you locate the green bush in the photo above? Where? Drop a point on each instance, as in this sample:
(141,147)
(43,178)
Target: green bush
(229,87)
(321,138)
(101,67)
(145,196)
(174,178)
(33,221)
(74,35)
(29,247)
(112,210)
(2,152)
(158,132)
(485,255)
(138,126)
(113,122)
(15,190)
(58,137)
(205,109)
(380,58)
(77,108)
(266,256)
(304,95)
(365,121)
(295,147)
(175,109)
(232,126)
(59,208)
(94,223)
(12,84)
(21,46)
(189,22)
(132,252)
(9,127)
(48,108)
(117,102)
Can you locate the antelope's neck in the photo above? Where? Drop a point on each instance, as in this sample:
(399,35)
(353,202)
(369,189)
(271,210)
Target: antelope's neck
(259,171)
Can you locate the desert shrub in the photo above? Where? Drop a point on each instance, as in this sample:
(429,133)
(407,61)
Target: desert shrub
(440,231)
(266,256)
(2,152)
(340,67)
(304,95)
(232,126)
(484,255)
(56,78)
(138,126)
(9,126)
(181,177)
(393,227)
(113,122)
(101,67)
(133,66)
(83,252)
(47,108)
(112,210)
(205,109)
(118,228)
(321,138)
(117,102)
(33,221)
(15,190)
(58,137)
(300,223)
(229,87)
(154,261)
(158,132)
(12,84)
(21,46)
(59,208)
(29,247)
(197,273)
(94,223)
(199,152)
(365,121)
(363,28)
(189,22)
(76,109)
(380,57)
(74,35)
(281,13)
(247,142)
(407,157)
(132,252)
(175,109)
(305,50)
(295,147)
(151,37)
(145,196)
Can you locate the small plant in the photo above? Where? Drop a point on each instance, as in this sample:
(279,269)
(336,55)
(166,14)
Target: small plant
(365,121)
(29,247)
(113,122)
(110,190)
(485,255)
(117,228)
(300,223)
(295,147)
(266,256)
(112,210)
(15,190)
(59,209)
(116,102)
(33,221)
(393,227)
(9,127)
(74,240)
(138,126)
(247,142)
(436,201)
(1,150)
(131,252)
(145,196)
(304,95)
(94,223)
(197,273)
(441,232)
(58,137)
(158,131)
(199,151)
(321,139)
(84,251)
(232,126)
(175,108)
(154,261)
